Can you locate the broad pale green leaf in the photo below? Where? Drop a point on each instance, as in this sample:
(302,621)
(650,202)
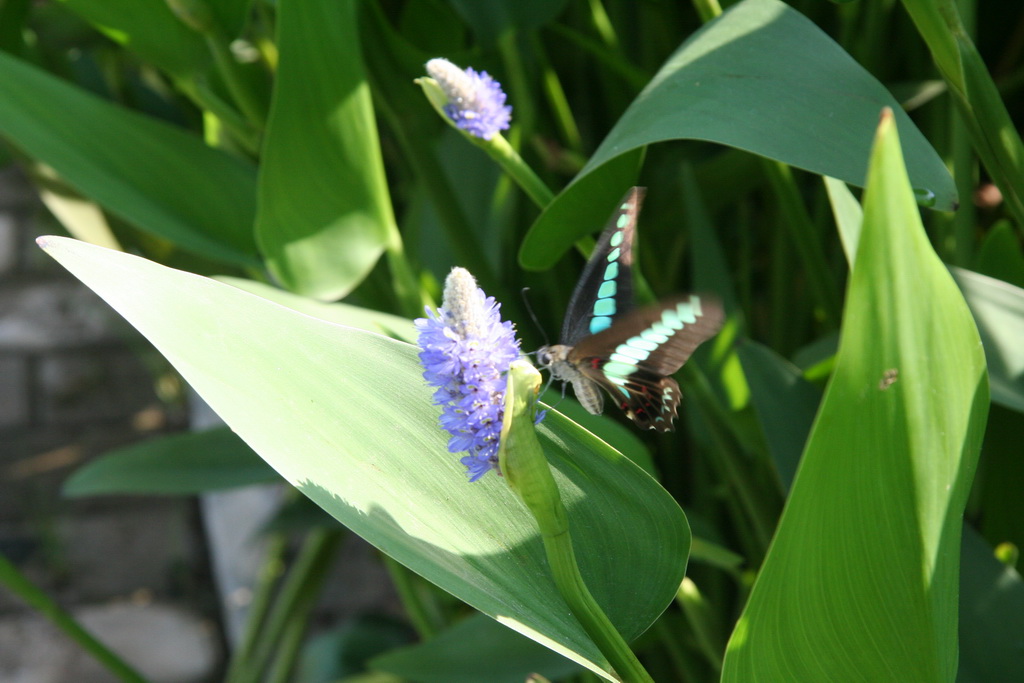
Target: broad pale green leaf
(862,575)
(182,464)
(762,78)
(324,209)
(476,649)
(149,29)
(345,416)
(159,178)
(387,324)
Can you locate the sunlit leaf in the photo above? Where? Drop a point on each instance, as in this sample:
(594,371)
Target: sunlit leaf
(862,574)
(324,210)
(345,416)
(763,78)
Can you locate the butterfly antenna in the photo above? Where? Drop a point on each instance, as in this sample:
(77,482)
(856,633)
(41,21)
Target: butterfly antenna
(533,317)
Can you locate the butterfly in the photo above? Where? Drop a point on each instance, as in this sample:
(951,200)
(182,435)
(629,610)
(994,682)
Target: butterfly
(629,352)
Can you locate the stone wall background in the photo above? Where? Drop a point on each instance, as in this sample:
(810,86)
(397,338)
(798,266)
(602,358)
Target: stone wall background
(74,383)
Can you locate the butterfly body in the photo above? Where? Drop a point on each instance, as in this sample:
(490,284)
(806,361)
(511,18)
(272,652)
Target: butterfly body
(630,353)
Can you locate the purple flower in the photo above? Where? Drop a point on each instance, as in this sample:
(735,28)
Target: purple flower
(476,102)
(465,350)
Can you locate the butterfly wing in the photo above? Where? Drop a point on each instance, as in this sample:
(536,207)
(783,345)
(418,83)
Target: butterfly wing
(634,358)
(605,289)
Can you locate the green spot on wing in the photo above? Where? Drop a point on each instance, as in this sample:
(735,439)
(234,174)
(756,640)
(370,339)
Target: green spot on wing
(616,239)
(631,352)
(599,323)
(653,336)
(604,307)
(619,366)
(607,289)
(612,271)
(641,343)
(613,255)
(686,314)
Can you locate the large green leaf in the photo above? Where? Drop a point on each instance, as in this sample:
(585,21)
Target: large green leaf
(345,416)
(158,177)
(997,306)
(762,78)
(862,575)
(324,209)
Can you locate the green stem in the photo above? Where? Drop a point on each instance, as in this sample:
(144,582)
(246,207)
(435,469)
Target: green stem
(703,621)
(263,592)
(20,585)
(603,24)
(635,77)
(760,513)
(707,9)
(685,668)
(241,92)
(502,152)
(584,607)
(805,236)
(414,607)
(296,597)
(403,279)
(527,472)
(557,99)
(995,137)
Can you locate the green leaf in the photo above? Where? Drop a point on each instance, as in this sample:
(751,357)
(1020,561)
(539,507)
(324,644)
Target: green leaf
(475,649)
(1001,255)
(493,18)
(574,214)
(848,216)
(991,615)
(149,29)
(762,78)
(785,404)
(158,177)
(997,306)
(181,465)
(346,417)
(324,209)
(863,572)
(998,309)
(387,324)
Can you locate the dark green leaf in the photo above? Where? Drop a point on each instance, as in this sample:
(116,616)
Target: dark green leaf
(160,178)
(762,78)
(183,464)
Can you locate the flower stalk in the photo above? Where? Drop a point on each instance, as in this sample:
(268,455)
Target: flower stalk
(527,471)
(474,104)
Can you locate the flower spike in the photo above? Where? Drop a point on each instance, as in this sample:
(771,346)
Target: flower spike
(475,101)
(466,350)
